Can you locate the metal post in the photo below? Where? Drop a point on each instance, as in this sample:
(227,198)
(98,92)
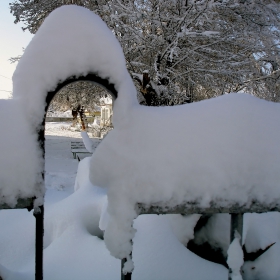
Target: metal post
(39,215)
(124,276)
(236,225)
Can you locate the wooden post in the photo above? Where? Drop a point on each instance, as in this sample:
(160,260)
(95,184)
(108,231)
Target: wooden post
(236,225)
(39,215)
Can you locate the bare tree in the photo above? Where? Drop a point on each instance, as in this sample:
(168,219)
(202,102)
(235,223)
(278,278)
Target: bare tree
(78,94)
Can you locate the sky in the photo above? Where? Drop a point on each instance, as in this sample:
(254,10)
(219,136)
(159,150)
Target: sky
(12,40)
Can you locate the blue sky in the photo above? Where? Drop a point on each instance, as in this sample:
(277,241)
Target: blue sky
(12,40)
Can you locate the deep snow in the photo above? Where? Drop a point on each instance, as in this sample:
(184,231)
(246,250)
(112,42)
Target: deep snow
(225,150)
(73,248)
(73,243)
(21,160)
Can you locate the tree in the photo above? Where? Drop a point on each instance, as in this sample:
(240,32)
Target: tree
(78,97)
(186,50)
(78,94)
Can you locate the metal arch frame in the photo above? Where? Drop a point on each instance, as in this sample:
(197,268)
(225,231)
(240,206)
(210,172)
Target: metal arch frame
(91,77)
(39,212)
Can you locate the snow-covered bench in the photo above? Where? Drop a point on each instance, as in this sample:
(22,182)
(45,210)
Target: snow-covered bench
(78,147)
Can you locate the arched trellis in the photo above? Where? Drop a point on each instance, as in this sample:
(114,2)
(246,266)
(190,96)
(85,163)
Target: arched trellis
(39,212)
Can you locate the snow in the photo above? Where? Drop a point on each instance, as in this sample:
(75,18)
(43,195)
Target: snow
(58,114)
(20,161)
(61,128)
(235,257)
(267,265)
(88,143)
(73,245)
(183,226)
(224,151)
(217,233)
(53,56)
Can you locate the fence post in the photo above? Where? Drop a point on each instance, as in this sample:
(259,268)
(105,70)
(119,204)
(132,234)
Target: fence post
(39,216)
(125,276)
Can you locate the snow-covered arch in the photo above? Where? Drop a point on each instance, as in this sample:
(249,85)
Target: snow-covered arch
(89,78)
(73,44)
(93,78)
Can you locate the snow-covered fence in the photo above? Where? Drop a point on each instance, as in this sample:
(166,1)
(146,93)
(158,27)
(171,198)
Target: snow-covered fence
(191,208)
(35,83)
(215,156)
(22,203)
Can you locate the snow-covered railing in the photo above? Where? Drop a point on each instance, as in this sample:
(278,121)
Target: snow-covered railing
(236,211)
(191,208)
(21,203)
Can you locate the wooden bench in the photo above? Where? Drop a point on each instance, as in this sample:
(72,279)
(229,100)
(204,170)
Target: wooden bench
(78,147)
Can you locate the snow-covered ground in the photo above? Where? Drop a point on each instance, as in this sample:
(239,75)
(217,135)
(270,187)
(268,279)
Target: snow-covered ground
(59,114)
(62,129)
(73,243)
